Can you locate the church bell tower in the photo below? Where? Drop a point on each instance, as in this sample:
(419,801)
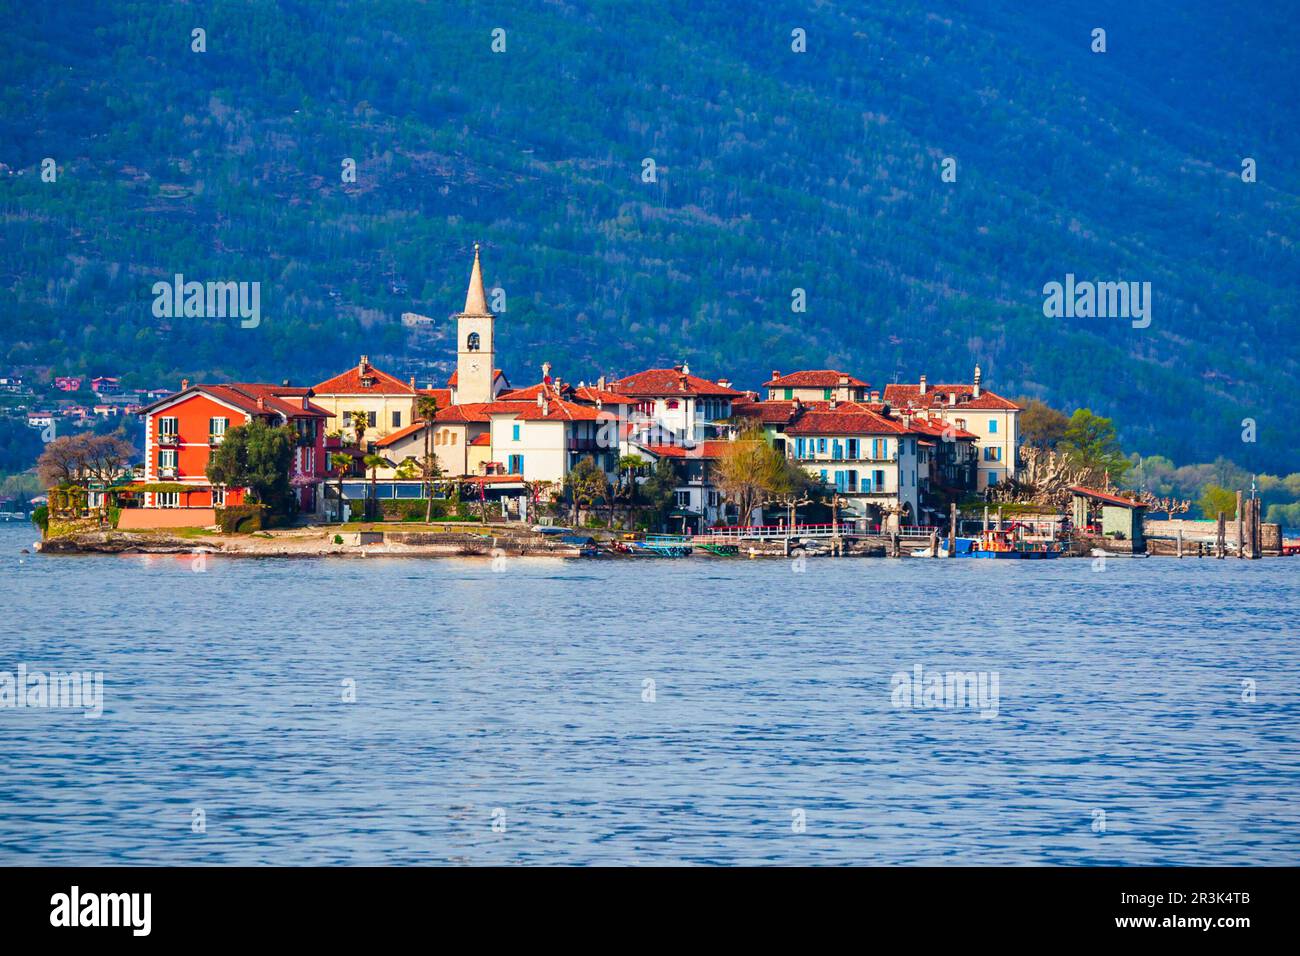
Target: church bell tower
(475,349)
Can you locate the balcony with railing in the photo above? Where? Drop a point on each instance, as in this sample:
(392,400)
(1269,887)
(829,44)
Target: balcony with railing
(169,439)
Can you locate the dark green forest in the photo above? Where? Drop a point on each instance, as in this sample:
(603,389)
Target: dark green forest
(776,170)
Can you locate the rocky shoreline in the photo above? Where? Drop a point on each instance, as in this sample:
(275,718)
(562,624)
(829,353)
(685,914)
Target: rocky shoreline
(487,541)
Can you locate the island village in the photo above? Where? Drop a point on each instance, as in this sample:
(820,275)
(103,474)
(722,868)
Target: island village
(665,462)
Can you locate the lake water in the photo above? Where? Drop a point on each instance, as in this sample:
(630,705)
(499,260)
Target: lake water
(504,716)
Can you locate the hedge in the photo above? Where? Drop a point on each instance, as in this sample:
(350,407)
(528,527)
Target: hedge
(241,519)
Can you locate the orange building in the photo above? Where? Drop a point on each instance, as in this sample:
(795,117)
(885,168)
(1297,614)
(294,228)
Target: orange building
(182,429)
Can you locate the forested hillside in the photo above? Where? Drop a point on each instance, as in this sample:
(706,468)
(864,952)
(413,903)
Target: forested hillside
(776,170)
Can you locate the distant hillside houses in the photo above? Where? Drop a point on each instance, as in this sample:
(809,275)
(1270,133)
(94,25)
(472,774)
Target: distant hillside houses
(894,457)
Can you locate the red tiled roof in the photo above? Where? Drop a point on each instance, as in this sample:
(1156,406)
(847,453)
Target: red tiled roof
(585,394)
(283,398)
(703,449)
(670,381)
(814,378)
(1105,496)
(441,395)
(590,393)
(530,393)
(559,410)
(397,436)
(779,411)
(483,439)
(479,411)
(245,396)
(937,396)
(766,412)
(845,422)
(349,383)
(938,428)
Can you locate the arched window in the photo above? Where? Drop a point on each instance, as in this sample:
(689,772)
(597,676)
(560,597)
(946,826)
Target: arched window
(471,343)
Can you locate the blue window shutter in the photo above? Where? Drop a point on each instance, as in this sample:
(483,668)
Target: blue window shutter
(515,432)
(993,426)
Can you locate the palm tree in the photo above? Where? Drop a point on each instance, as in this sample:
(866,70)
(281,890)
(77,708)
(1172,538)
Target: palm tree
(426,407)
(627,467)
(374,463)
(360,421)
(342,462)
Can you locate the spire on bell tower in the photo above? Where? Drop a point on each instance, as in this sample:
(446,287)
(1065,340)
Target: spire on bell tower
(475,297)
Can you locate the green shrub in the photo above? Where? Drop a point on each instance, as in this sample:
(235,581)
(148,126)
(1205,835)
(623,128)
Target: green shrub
(41,517)
(409,509)
(241,519)
(338,539)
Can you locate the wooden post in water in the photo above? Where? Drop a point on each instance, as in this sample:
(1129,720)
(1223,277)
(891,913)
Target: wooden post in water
(1180,542)
(1245,519)
(1241,552)
(934,543)
(986,518)
(1256,532)
(999,517)
(1220,535)
(952,532)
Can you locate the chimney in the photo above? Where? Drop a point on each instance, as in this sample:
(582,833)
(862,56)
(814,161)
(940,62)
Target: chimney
(546,372)
(286,383)
(600,383)
(875,394)
(952,399)
(844,380)
(977,381)
(725,382)
(923,386)
(261,403)
(185,383)
(412,383)
(364,364)
(834,403)
(776,373)
(798,405)
(681,381)
(686,369)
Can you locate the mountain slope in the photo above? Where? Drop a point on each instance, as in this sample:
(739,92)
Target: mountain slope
(775,171)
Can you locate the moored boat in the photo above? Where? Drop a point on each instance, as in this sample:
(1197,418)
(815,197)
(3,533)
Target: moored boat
(1004,545)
